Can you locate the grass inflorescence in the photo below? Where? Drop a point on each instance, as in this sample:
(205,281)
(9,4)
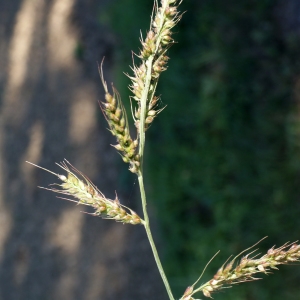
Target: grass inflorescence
(86,193)
(116,117)
(154,60)
(145,107)
(246,269)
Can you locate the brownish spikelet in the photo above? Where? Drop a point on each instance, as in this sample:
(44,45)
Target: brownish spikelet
(115,114)
(86,193)
(246,269)
(153,61)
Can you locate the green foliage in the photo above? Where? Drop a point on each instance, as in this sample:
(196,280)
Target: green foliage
(224,163)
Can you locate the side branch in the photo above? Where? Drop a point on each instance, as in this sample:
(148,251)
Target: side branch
(246,269)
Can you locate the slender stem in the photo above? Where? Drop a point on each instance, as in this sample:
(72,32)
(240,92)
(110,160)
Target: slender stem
(143,102)
(150,238)
(141,180)
(147,95)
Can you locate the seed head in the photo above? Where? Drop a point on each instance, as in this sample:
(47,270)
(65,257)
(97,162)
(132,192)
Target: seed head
(84,192)
(153,60)
(116,118)
(246,269)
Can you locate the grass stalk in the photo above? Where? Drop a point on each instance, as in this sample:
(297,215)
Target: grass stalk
(145,108)
(150,238)
(153,58)
(143,104)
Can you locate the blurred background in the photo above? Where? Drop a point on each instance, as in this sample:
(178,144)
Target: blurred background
(222,160)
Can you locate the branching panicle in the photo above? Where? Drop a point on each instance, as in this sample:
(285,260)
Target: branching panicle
(145,107)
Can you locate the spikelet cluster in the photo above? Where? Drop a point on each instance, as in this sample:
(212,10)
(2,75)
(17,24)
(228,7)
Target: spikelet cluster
(116,117)
(154,60)
(85,192)
(246,269)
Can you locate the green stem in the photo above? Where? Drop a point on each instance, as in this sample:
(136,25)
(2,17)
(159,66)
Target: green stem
(145,98)
(140,176)
(150,238)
